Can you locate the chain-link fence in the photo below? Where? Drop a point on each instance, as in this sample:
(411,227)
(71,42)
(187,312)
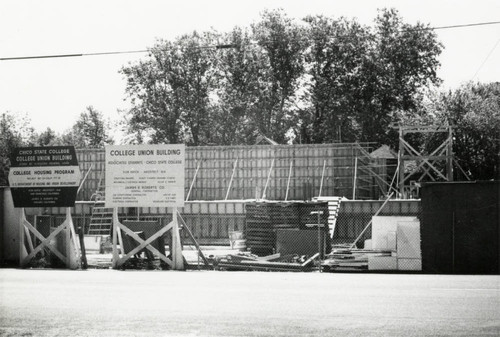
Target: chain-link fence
(329,228)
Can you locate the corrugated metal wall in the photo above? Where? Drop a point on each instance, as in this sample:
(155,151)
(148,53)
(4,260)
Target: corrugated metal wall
(302,163)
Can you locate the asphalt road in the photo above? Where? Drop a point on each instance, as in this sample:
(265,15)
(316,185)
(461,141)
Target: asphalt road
(210,303)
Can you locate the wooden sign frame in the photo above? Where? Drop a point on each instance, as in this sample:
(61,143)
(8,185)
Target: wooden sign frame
(119,256)
(70,257)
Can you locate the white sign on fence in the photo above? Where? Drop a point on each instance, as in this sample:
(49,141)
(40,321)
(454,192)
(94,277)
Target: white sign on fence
(145,175)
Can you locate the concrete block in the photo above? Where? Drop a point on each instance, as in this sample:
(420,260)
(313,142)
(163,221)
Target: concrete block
(391,240)
(409,264)
(382,263)
(382,225)
(92,243)
(408,237)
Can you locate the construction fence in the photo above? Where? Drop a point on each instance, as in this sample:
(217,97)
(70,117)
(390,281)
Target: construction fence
(262,224)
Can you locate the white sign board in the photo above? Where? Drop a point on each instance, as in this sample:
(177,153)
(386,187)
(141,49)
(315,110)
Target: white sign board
(48,176)
(145,175)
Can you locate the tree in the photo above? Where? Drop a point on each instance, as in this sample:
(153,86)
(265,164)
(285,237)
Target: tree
(336,53)
(240,87)
(15,131)
(402,64)
(89,131)
(283,42)
(170,91)
(362,77)
(48,138)
(474,112)
(331,80)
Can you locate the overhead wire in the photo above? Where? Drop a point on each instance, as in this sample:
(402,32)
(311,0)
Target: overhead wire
(486,59)
(221,46)
(455,26)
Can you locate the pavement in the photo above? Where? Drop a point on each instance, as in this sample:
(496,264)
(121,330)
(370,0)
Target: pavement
(106,302)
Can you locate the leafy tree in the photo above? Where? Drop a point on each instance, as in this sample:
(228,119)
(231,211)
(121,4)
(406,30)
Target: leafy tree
(48,138)
(89,131)
(15,131)
(336,54)
(331,80)
(283,42)
(474,112)
(240,86)
(170,91)
(361,77)
(404,62)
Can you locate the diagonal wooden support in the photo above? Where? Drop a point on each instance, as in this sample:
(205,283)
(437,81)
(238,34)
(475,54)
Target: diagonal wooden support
(45,242)
(424,161)
(200,252)
(176,248)
(177,261)
(144,244)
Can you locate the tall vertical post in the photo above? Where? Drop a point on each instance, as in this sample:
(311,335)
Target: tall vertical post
(322,177)
(267,181)
(176,249)
(288,182)
(22,249)
(231,180)
(67,238)
(355,178)
(115,237)
(449,154)
(401,163)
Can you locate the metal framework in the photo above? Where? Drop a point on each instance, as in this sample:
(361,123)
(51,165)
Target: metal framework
(427,163)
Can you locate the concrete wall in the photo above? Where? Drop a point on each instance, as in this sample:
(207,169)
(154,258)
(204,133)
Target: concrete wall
(10,229)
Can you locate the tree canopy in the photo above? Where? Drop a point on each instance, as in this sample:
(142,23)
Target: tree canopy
(317,80)
(89,131)
(474,112)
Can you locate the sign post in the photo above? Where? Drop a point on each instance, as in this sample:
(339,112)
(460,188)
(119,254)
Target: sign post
(145,176)
(45,177)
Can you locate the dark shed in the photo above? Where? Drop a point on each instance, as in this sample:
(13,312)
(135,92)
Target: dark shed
(460,228)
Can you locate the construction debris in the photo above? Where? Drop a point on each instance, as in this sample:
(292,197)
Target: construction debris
(275,262)
(347,259)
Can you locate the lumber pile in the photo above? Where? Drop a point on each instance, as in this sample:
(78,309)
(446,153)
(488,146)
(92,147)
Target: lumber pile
(263,219)
(346,259)
(274,262)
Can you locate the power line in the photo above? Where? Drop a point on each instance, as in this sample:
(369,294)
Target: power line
(70,55)
(219,46)
(455,26)
(223,46)
(486,59)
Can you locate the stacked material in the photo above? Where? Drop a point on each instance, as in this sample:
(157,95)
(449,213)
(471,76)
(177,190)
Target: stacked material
(264,218)
(333,210)
(400,234)
(344,259)
(274,262)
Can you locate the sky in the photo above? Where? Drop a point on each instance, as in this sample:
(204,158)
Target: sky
(53,92)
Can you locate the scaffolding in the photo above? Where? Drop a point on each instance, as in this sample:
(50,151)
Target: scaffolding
(434,164)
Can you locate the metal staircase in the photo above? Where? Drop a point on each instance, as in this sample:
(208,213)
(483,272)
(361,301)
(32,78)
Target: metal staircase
(102,217)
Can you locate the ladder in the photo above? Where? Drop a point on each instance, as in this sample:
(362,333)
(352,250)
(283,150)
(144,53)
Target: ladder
(333,211)
(101,220)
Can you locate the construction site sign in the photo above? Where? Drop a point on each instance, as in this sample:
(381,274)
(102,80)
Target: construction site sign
(44,176)
(145,175)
